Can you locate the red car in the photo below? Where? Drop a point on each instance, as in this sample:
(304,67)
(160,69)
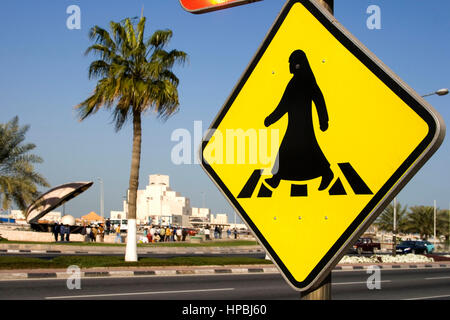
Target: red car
(366,245)
(191,232)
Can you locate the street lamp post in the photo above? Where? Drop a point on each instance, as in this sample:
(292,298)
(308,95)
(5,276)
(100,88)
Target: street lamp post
(148,208)
(440,92)
(434,227)
(394,241)
(203,199)
(101,197)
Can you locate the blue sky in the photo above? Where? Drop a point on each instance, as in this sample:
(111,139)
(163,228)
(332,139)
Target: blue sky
(44,75)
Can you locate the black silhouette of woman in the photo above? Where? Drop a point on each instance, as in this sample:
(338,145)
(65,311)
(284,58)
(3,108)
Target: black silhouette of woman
(300,157)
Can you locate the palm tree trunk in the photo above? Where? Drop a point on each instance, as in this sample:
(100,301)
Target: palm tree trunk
(131,249)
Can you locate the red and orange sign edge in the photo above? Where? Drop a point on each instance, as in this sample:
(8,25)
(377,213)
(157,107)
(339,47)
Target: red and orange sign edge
(203,6)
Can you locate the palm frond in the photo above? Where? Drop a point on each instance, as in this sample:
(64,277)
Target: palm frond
(159,39)
(101,36)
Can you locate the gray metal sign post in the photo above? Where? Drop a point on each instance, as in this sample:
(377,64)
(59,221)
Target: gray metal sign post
(323,292)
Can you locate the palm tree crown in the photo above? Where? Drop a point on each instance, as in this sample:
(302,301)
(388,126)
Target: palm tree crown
(421,220)
(134,74)
(18,180)
(385,221)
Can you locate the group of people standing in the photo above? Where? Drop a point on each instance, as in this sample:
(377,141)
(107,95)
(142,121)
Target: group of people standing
(62,231)
(92,232)
(218,232)
(164,234)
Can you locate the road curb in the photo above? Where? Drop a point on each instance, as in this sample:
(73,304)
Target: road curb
(70,249)
(197,252)
(15,275)
(206,270)
(392,266)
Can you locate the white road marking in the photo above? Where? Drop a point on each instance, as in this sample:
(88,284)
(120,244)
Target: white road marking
(437,278)
(138,293)
(431,297)
(360,282)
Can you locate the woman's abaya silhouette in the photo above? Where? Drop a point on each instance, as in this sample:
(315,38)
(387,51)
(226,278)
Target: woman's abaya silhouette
(300,157)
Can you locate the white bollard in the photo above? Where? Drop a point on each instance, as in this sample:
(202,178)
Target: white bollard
(131,249)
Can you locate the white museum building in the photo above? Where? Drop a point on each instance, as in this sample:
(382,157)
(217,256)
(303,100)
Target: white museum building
(159,204)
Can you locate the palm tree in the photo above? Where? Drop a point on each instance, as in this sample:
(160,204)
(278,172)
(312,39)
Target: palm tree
(421,220)
(447,227)
(135,76)
(442,223)
(18,180)
(385,221)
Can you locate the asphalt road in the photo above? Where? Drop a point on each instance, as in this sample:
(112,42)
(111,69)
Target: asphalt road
(426,284)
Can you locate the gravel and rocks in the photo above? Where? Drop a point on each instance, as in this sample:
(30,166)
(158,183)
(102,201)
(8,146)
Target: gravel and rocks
(404,258)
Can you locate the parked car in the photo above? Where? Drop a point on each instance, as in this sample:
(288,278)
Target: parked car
(244,231)
(365,245)
(122,222)
(191,231)
(412,247)
(430,246)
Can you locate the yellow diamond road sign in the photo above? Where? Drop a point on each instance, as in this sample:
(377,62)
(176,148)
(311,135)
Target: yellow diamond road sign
(315,140)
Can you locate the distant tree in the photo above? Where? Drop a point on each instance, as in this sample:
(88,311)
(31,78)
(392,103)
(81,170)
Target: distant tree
(18,180)
(385,221)
(421,220)
(442,223)
(135,78)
